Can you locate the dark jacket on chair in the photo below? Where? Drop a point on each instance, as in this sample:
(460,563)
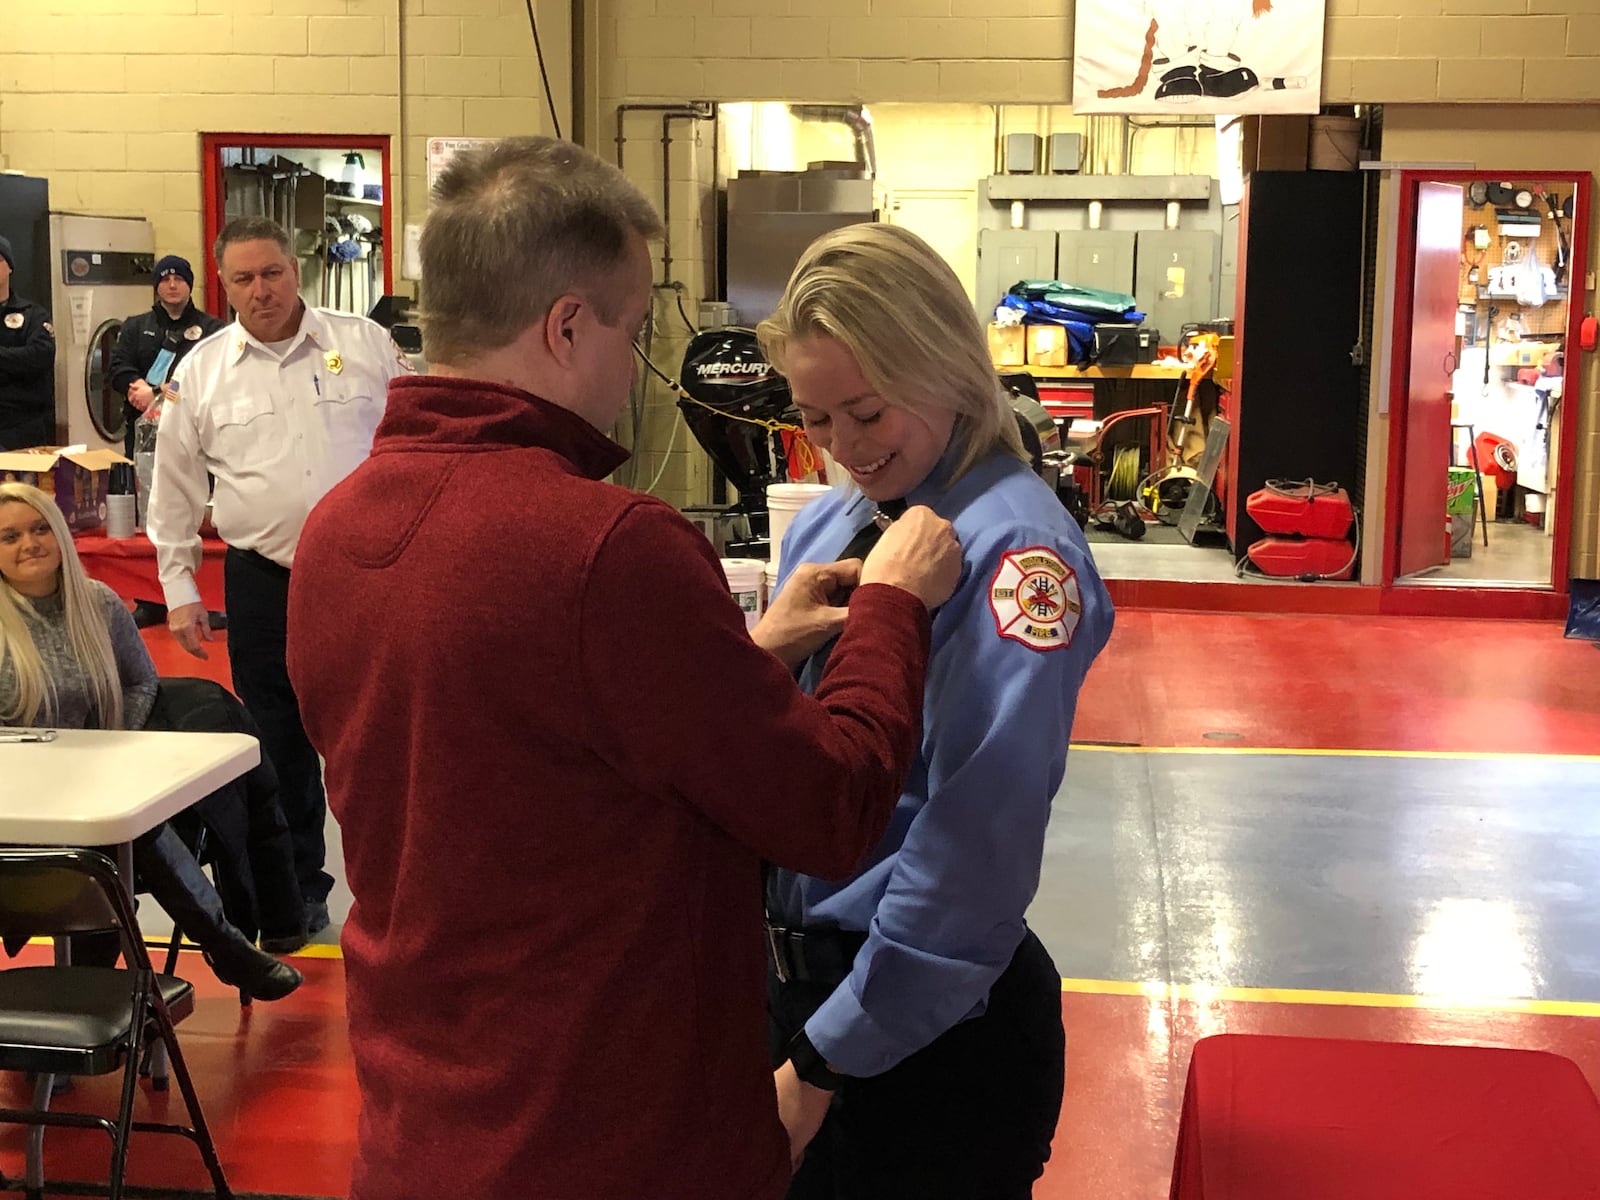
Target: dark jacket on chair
(248,837)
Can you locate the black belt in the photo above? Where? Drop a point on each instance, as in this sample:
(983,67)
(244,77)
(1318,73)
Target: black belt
(817,955)
(260,561)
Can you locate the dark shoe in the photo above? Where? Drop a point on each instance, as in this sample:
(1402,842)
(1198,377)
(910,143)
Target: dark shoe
(317,918)
(285,943)
(168,869)
(1227,84)
(147,613)
(259,975)
(1180,83)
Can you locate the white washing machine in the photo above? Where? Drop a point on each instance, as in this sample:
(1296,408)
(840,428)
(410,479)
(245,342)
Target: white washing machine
(101,269)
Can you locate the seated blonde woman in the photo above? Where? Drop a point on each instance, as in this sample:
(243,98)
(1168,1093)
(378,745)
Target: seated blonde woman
(71,657)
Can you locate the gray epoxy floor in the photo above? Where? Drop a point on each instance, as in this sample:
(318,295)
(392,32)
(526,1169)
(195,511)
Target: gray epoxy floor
(1472,878)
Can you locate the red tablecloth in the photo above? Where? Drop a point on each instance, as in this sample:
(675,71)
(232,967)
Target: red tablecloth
(1325,1119)
(128,567)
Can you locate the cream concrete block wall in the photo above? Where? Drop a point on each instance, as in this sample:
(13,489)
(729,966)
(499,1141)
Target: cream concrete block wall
(1520,139)
(667,460)
(114,124)
(986,51)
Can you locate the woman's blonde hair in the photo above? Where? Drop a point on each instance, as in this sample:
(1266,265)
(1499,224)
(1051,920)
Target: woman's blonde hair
(895,304)
(86,628)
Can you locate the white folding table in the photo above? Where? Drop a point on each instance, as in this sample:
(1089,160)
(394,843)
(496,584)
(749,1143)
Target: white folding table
(93,787)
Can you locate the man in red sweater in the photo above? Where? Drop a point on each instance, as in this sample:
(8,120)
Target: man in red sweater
(556,755)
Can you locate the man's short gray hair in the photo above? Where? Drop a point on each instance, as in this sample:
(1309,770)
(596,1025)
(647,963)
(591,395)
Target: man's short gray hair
(251,229)
(515,226)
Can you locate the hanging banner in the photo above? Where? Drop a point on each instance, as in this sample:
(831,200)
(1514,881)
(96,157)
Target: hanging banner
(1170,57)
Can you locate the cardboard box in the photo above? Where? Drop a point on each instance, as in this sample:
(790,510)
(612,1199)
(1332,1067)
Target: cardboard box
(1276,142)
(1460,506)
(77,479)
(1047,346)
(1224,368)
(1008,345)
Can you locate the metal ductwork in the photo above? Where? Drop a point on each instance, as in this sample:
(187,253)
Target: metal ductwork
(856,118)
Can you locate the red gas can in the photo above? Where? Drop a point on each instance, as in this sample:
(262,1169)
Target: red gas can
(1309,509)
(1288,557)
(1497,458)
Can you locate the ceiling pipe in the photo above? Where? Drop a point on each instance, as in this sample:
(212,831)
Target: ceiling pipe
(856,118)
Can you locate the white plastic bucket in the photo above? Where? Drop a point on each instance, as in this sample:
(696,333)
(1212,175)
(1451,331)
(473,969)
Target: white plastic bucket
(769,584)
(783,501)
(1335,144)
(744,581)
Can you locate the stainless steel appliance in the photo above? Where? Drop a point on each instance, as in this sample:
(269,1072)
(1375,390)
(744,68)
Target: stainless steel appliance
(774,215)
(102,270)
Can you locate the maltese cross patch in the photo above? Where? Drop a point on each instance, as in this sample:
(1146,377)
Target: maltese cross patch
(1035,600)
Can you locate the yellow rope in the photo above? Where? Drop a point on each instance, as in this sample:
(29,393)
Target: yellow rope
(773,426)
(677,390)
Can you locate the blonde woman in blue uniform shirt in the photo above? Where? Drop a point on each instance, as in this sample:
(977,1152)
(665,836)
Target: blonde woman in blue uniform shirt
(915,1020)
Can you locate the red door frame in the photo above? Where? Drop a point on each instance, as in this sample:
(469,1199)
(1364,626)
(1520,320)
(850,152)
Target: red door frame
(1400,359)
(213,203)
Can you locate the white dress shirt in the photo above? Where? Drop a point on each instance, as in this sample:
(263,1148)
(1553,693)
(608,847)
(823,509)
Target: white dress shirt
(275,430)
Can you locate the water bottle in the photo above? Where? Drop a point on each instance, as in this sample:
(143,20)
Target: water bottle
(145,430)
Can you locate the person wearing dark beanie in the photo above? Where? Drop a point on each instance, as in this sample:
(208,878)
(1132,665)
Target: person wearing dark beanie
(152,343)
(149,347)
(27,365)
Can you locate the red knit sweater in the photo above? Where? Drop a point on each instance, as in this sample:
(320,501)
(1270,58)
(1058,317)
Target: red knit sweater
(557,760)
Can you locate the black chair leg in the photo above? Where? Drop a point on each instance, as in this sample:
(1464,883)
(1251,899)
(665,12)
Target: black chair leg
(143,998)
(191,1101)
(33,1171)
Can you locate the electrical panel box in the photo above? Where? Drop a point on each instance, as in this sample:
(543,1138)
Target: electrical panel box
(1096,258)
(1175,278)
(1066,153)
(1024,154)
(1006,256)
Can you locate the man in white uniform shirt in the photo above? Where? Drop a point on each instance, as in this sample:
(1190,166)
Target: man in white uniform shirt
(277,407)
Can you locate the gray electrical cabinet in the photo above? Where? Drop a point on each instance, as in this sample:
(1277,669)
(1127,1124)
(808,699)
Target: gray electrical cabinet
(1175,280)
(1008,255)
(1096,258)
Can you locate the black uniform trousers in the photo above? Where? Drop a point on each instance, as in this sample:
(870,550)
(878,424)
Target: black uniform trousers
(968,1117)
(257,591)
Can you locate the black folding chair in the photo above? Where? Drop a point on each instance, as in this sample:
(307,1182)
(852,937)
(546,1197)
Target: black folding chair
(66,1020)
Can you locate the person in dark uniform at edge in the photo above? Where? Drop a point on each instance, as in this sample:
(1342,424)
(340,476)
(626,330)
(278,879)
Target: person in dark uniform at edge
(174,326)
(27,366)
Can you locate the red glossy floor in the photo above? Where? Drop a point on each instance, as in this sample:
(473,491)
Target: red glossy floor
(278,1085)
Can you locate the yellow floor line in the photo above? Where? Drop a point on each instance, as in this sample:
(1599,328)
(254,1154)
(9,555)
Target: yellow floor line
(1460,755)
(1201,993)
(317,950)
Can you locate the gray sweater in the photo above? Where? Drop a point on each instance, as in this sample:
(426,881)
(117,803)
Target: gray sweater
(74,706)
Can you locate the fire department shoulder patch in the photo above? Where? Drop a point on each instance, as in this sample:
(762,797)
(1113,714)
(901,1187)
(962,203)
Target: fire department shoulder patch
(1035,600)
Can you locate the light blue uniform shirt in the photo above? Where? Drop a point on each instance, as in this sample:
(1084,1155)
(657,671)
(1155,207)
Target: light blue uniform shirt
(943,894)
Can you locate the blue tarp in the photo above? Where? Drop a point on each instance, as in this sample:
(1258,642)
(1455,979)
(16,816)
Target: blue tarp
(1077,310)
(1583,611)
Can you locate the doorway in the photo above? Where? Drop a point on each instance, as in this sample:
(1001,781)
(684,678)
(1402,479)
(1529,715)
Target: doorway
(329,191)
(1485,338)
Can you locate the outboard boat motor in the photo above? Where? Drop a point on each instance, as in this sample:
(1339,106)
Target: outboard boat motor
(735,400)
